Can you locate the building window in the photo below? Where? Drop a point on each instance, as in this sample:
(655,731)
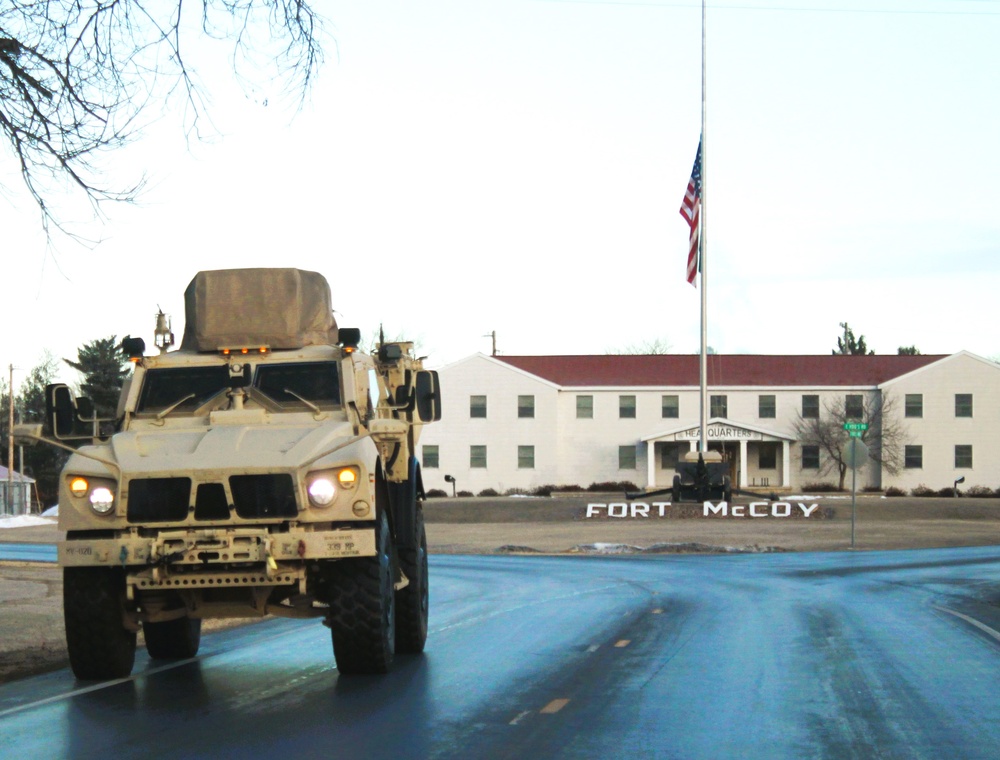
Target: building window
(626,457)
(477,457)
(963,456)
(431,460)
(766,406)
(810,457)
(668,457)
(525,457)
(963,404)
(626,407)
(810,407)
(767,456)
(585,407)
(914,405)
(525,406)
(477,406)
(717,407)
(913,457)
(854,406)
(671,407)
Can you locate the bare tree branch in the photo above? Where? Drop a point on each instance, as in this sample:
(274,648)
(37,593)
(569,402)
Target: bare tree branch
(76,77)
(885,437)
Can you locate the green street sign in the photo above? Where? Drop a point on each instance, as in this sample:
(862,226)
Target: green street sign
(860,426)
(855,433)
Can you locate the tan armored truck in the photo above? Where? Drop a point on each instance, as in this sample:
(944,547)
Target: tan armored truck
(265,468)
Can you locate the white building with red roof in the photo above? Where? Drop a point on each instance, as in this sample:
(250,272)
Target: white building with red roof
(519,422)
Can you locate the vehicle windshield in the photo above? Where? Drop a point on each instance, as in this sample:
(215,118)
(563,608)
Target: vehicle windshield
(180,390)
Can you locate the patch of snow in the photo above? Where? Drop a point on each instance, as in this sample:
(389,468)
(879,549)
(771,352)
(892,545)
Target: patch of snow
(23,521)
(606,549)
(51,511)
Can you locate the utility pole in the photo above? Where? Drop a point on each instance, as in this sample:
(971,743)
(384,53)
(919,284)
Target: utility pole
(492,335)
(10,446)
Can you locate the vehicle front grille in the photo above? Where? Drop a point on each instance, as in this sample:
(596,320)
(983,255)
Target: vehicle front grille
(158,499)
(262,496)
(210,503)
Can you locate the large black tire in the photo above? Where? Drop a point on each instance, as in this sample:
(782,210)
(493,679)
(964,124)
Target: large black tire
(100,646)
(173,639)
(412,601)
(362,598)
(675,490)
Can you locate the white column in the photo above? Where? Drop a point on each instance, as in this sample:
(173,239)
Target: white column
(651,465)
(743,463)
(786,465)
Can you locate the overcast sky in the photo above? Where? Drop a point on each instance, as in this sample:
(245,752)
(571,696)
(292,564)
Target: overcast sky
(517,165)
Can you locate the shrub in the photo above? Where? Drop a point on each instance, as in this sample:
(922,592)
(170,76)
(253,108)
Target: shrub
(610,485)
(571,488)
(488,492)
(465,493)
(979,491)
(923,490)
(893,491)
(872,489)
(946,491)
(435,493)
(820,488)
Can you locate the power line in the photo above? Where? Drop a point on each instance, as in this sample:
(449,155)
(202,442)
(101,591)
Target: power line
(794,9)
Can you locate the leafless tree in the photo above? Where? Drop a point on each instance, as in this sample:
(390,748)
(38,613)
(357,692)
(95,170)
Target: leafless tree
(77,76)
(885,436)
(646,347)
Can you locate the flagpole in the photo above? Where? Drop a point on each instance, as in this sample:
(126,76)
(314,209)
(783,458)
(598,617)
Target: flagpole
(703,249)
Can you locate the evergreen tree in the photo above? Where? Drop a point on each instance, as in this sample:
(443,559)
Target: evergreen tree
(849,345)
(909,351)
(43,463)
(104,369)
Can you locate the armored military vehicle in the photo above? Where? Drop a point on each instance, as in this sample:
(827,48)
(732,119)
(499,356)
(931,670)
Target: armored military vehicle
(266,467)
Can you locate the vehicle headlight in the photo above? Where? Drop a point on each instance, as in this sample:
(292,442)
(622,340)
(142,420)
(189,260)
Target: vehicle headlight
(322,492)
(322,486)
(102,500)
(99,493)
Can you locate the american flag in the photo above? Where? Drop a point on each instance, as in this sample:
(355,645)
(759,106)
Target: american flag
(691,211)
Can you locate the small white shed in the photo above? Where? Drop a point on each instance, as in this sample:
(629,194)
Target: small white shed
(19,502)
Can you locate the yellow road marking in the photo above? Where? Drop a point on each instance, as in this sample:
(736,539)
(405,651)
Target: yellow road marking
(554,706)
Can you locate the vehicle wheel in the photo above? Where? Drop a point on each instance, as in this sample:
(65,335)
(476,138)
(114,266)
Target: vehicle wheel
(362,602)
(675,491)
(412,601)
(99,645)
(173,639)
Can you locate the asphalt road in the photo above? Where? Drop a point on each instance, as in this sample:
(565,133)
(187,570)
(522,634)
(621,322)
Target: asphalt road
(873,655)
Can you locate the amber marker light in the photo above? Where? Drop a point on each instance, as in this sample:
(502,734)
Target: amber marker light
(78,486)
(347,478)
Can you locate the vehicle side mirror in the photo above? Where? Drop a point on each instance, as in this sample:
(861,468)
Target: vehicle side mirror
(60,410)
(68,417)
(427,396)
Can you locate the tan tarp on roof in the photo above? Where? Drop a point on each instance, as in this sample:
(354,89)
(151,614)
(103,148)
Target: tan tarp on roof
(278,308)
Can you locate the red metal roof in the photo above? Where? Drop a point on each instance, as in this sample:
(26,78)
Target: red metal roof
(723,369)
